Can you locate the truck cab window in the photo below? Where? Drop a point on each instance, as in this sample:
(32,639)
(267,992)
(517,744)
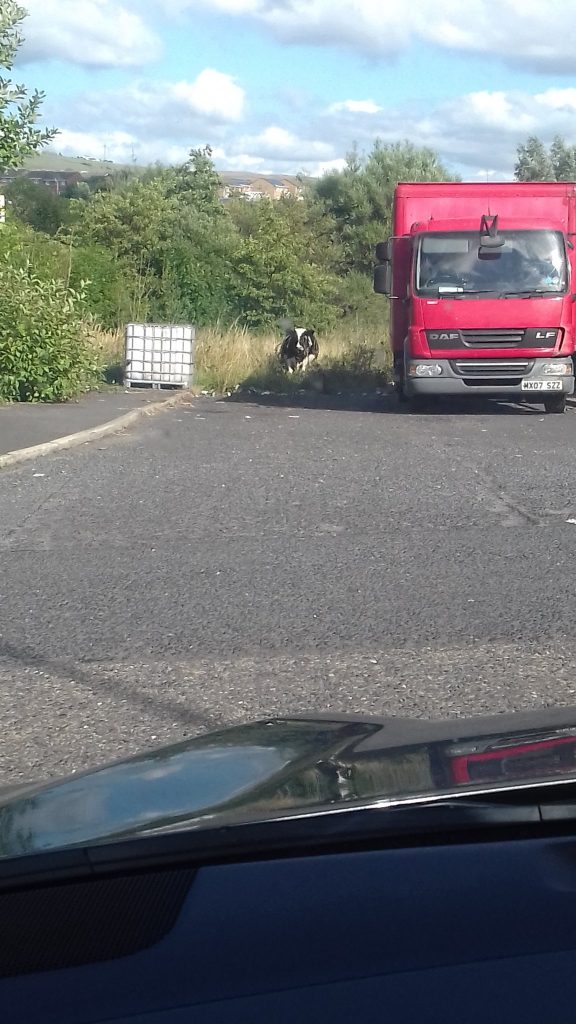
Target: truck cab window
(448,263)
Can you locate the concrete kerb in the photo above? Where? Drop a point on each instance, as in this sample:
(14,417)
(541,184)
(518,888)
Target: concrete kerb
(93,433)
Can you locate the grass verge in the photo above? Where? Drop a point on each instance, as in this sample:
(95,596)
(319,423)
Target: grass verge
(352,359)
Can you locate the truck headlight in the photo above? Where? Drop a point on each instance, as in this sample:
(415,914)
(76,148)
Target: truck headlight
(424,370)
(557,369)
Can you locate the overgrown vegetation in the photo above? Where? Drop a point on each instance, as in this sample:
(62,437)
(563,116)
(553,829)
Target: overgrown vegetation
(354,358)
(44,351)
(163,247)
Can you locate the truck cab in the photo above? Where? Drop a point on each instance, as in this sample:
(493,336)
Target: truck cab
(479,281)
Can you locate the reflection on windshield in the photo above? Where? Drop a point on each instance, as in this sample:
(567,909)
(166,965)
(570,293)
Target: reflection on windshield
(529,261)
(201,778)
(535,758)
(261,771)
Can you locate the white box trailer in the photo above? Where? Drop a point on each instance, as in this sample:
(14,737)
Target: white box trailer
(159,355)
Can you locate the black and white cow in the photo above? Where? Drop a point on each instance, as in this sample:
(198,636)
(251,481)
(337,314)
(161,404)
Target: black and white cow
(298,349)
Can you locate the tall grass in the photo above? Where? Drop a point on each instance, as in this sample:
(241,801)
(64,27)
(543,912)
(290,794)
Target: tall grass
(226,358)
(108,345)
(108,348)
(352,357)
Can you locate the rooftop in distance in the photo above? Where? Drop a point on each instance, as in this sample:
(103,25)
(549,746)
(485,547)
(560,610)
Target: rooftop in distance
(55,170)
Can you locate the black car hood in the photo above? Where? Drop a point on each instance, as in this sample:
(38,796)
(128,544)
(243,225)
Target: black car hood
(285,767)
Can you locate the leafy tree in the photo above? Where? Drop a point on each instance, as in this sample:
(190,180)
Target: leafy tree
(44,355)
(533,162)
(111,289)
(131,222)
(173,235)
(276,275)
(36,205)
(536,163)
(356,300)
(198,270)
(46,257)
(19,136)
(359,198)
(196,183)
(563,158)
(198,259)
(110,286)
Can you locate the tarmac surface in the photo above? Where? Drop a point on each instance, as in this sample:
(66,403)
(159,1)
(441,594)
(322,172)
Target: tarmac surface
(228,560)
(24,424)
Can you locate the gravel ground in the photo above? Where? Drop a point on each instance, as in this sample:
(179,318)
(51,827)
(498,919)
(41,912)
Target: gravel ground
(231,560)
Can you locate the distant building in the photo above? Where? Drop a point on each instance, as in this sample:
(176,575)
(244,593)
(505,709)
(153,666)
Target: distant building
(56,181)
(259,186)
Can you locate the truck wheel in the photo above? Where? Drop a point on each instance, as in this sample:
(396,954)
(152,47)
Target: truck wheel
(555,404)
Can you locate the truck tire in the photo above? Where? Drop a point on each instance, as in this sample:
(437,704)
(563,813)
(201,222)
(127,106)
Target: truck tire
(556,404)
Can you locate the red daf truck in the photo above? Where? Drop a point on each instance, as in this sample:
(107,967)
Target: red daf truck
(480,279)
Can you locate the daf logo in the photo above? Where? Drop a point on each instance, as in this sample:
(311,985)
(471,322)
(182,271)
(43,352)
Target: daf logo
(544,335)
(444,336)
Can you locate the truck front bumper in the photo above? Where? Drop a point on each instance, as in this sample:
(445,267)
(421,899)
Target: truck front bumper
(527,382)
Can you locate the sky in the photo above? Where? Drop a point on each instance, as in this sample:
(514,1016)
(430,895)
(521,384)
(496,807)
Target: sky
(289,86)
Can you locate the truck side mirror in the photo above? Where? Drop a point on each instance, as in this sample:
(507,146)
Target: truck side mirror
(383,279)
(384,251)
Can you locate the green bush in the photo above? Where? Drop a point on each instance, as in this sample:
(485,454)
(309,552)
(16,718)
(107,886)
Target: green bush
(35,205)
(109,284)
(46,257)
(44,354)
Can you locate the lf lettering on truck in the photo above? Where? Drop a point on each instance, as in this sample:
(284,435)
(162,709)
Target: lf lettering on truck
(479,278)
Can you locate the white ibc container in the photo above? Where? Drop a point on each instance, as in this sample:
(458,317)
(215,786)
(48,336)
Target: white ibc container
(159,355)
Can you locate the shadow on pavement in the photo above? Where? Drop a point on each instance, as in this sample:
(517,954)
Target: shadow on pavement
(85,675)
(383,403)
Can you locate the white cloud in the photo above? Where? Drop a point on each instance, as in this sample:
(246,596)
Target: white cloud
(558,99)
(108,33)
(355,107)
(325,166)
(92,33)
(212,94)
(363,24)
(496,110)
(155,116)
(476,134)
(119,147)
(116,146)
(279,144)
(531,33)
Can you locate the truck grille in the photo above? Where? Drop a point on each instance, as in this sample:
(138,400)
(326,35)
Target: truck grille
(492,337)
(492,367)
(490,373)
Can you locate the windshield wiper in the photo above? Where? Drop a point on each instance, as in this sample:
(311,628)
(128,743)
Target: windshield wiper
(478,291)
(463,293)
(528,293)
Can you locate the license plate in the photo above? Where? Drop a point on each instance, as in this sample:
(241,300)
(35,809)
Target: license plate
(541,385)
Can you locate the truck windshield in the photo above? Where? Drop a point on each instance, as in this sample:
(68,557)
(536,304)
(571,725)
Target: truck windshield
(452,265)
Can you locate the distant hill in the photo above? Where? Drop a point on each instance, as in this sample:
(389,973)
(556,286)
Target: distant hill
(58,173)
(49,161)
